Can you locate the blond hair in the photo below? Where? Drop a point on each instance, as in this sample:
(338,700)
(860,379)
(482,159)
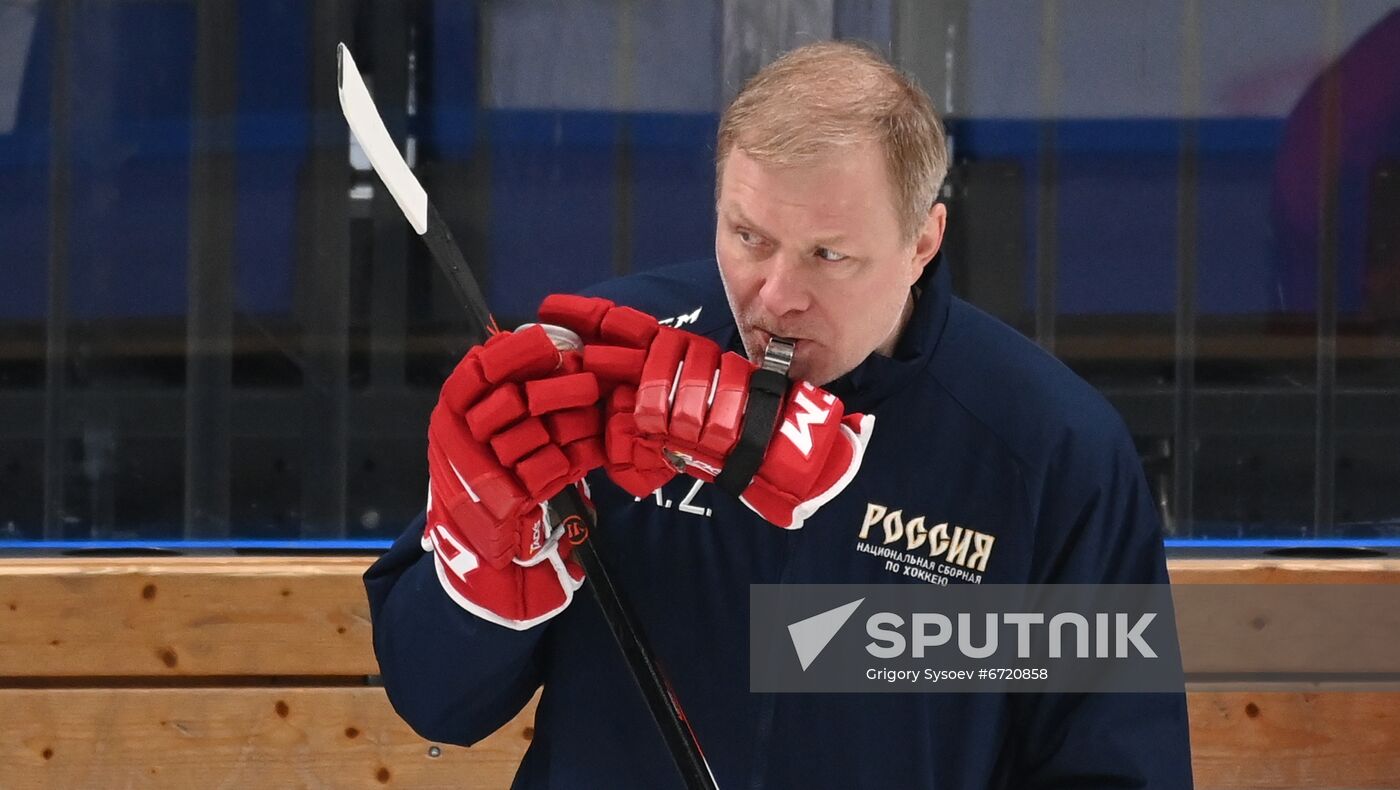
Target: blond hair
(829,95)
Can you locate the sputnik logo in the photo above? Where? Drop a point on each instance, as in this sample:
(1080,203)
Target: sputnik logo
(811,636)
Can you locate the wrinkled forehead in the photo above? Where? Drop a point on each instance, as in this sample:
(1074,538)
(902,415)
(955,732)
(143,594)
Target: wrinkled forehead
(846,189)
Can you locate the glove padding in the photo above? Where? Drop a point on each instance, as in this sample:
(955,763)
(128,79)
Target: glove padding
(680,392)
(515,423)
(615,342)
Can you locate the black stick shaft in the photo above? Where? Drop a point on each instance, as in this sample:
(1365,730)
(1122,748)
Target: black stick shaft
(660,701)
(448,255)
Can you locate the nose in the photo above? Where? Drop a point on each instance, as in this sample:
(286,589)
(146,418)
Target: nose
(784,288)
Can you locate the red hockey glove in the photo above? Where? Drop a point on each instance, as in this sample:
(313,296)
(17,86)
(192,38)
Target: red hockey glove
(515,423)
(698,399)
(615,340)
(693,399)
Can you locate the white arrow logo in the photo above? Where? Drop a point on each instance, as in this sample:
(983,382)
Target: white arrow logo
(811,636)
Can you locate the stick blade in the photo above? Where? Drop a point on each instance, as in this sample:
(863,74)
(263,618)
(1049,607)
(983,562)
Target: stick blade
(368,128)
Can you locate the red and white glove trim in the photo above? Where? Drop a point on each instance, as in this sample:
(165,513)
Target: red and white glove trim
(455,562)
(858,435)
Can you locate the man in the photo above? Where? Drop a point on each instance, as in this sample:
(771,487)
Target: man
(827,233)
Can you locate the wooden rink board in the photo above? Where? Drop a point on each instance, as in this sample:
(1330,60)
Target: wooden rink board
(351,738)
(169,672)
(236,738)
(184,616)
(1286,740)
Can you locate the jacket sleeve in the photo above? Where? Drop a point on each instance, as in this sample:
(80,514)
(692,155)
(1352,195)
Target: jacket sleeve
(453,677)
(1099,525)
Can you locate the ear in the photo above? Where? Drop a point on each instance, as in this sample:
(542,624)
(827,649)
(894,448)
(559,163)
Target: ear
(929,240)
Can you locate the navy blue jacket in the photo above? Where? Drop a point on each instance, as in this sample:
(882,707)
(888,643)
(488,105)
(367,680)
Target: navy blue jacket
(975,426)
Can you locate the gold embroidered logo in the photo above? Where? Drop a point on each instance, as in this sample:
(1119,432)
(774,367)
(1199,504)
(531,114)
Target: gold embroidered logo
(950,543)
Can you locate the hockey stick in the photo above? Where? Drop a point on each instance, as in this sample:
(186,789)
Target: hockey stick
(386,160)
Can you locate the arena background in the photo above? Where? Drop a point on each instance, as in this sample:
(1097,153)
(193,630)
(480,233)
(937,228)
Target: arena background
(219,341)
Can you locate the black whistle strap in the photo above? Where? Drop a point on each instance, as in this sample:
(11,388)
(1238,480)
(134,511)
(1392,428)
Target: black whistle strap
(767,391)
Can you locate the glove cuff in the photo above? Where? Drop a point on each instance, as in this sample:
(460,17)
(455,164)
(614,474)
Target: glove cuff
(519,596)
(515,619)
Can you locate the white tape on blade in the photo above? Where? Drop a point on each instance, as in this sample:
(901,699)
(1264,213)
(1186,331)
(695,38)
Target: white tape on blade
(378,146)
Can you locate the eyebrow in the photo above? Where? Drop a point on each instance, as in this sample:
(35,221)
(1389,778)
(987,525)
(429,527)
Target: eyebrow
(831,241)
(736,215)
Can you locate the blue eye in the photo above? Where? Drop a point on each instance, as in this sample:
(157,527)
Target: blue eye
(830,255)
(748,237)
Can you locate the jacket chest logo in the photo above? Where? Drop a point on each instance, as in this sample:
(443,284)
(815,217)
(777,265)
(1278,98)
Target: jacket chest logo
(935,553)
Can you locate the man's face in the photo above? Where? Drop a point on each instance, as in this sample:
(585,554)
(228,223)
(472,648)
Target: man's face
(815,253)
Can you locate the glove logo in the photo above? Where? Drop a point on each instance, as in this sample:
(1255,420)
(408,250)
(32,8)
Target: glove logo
(537,536)
(798,428)
(456,557)
(678,321)
(576,530)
